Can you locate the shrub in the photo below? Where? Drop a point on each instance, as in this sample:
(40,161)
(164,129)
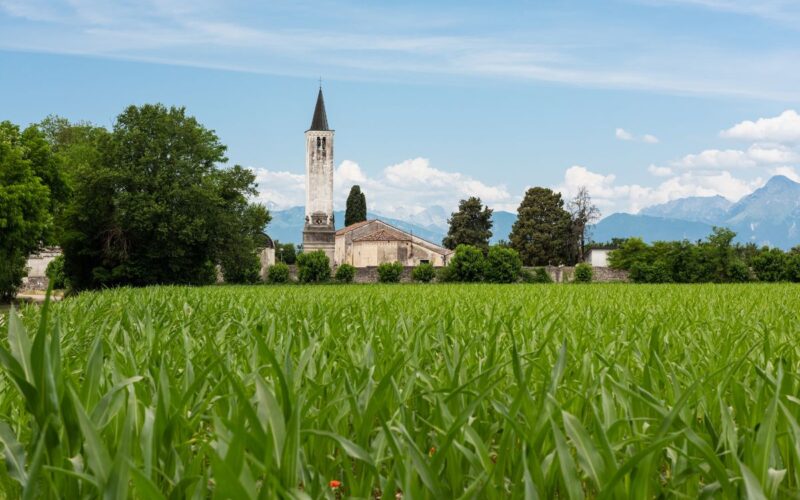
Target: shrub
(793,267)
(770,265)
(313,267)
(467,264)
(390,272)
(55,272)
(583,273)
(738,272)
(503,265)
(241,265)
(278,273)
(538,275)
(423,273)
(345,273)
(444,274)
(658,272)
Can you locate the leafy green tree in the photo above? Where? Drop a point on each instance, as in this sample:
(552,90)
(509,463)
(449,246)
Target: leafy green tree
(722,253)
(390,272)
(25,217)
(793,266)
(467,264)
(503,265)
(356,210)
(542,233)
(345,273)
(424,273)
(285,252)
(538,275)
(470,225)
(770,265)
(55,273)
(153,206)
(313,267)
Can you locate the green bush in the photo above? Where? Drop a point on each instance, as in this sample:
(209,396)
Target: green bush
(278,273)
(241,265)
(444,274)
(658,272)
(424,273)
(770,265)
(467,265)
(390,272)
(313,267)
(583,273)
(503,265)
(793,267)
(538,275)
(739,272)
(55,273)
(345,273)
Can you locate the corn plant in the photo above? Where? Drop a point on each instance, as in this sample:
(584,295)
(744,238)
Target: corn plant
(453,391)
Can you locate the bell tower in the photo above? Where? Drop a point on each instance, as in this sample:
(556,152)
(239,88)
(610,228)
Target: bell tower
(319,232)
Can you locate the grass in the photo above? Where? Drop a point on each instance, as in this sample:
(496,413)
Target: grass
(447,391)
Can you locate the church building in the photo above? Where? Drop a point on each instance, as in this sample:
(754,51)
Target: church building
(363,244)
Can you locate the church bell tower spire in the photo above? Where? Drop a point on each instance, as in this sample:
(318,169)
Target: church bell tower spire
(319,231)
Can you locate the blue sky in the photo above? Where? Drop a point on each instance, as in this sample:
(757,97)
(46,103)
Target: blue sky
(642,101)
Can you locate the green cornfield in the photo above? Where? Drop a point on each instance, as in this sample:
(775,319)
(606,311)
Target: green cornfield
(404,391)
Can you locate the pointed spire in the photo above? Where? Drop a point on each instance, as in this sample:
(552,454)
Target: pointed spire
(320,120)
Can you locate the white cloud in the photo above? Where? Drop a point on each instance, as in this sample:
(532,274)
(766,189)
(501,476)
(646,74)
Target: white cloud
(650,139)
(782,128)
(756,155)
(659,171)
(401,190)
(624,135)
(611,197)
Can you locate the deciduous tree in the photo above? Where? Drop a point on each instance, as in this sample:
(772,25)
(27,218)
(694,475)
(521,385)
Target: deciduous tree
(542,233)
(471,224)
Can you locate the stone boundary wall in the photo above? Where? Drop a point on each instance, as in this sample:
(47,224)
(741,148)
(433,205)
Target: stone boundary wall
(563,274)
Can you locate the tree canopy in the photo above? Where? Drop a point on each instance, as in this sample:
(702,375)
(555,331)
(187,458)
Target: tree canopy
(27,171)
(356,210)
(152,205)
(542,233)
(471,224)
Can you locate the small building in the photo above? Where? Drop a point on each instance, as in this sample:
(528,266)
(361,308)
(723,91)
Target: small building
(598,256)
(373,242)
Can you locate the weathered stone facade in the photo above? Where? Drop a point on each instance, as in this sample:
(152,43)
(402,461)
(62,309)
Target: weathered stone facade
(319,231)
(564,274)
(37,269)
(374,242)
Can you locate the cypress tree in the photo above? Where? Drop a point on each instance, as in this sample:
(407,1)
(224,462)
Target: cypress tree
(356,206)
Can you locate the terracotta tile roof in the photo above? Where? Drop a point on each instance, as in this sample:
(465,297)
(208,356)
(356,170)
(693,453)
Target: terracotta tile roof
(353,226)
(384,235)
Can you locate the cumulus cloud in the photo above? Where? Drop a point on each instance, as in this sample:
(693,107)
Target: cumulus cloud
(782,129)
(659,171)
(401,190)
(756,155)
(611,196)
(624,135)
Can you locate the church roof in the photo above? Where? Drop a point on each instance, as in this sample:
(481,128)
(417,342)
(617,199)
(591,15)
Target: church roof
(355,225)
(384,235)
(320,120)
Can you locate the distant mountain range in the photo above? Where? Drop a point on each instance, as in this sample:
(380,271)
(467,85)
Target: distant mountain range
(769,215)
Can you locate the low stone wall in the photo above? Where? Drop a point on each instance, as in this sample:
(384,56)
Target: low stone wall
(564,274)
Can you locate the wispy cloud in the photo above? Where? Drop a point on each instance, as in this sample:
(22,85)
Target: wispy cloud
(207,34)
(624,135)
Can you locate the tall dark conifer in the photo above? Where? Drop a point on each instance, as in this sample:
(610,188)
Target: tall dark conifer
(356,206)
(470,225)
